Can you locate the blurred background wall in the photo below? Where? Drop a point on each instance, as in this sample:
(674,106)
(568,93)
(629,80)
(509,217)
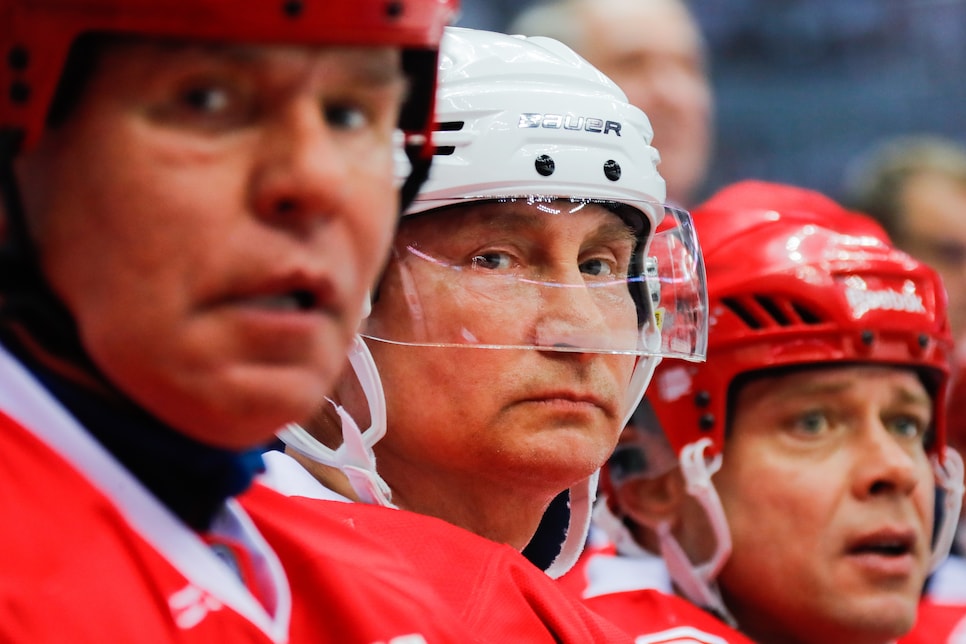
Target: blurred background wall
(805,87)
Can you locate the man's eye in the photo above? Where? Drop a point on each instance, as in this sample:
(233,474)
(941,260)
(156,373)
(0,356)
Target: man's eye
(907,426)
(345,117)
(206,99)
(597,267)
(204,104)
(811,423)
(491,260)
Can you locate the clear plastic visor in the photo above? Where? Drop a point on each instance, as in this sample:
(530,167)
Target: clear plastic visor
(545,273)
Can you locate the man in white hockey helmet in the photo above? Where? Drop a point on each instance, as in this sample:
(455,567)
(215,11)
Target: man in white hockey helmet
(514,327)
(533,286)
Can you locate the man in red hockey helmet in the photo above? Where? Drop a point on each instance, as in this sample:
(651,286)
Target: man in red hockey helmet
(798,498)
(196,197)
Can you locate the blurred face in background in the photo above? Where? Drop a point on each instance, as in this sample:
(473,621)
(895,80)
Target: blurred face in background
(934,231)
(654,51)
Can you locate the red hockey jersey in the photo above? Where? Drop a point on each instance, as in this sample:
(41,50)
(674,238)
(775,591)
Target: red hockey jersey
(631,593)
(938,624)
(492,588)
(89,555)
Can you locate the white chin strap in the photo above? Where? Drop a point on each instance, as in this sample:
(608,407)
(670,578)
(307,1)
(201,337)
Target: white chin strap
(696,582)
(355,457)
(583,494)
(582,497)
(949,477)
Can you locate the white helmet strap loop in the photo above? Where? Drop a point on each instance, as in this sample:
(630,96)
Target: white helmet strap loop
(697,471)
(617,533)
(949,477)
(354,457)
(696,582)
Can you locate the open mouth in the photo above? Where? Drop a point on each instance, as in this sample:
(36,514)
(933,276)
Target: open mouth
(297,300)
(883,546)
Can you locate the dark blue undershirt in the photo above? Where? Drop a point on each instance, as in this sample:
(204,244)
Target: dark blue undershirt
(192,479)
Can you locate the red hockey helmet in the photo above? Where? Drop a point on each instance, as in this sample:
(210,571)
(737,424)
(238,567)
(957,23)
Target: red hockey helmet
(794,279)
(36,36)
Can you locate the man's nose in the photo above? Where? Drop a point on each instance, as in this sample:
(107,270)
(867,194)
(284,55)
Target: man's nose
(299,176)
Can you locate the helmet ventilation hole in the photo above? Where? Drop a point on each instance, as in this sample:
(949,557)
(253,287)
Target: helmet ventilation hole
(762,311)
(544,165)
(612,170)
(292,8)
(702,398)
(18,58)
(19,92)
(447,126)
(394,9)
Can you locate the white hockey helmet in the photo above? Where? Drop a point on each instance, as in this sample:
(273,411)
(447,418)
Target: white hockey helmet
(528,121)
(522,116)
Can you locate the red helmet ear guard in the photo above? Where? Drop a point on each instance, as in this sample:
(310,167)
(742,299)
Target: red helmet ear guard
(36,36)
(796,280)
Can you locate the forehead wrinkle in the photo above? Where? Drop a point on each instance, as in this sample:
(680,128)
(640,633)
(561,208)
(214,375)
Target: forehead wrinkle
(516,218)
(792,386)
(369,69)
(366,66)
(614,230)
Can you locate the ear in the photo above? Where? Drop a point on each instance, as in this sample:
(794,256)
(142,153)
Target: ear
(650,501)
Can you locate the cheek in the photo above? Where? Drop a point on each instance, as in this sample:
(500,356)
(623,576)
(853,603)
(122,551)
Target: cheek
(623,369)
(438,395)
(700,103)
(759,499)
(145,255)
(924,496)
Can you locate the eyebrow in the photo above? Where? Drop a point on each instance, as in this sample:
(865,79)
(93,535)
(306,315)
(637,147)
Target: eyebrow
(616,231)
(913,397)
(373,70)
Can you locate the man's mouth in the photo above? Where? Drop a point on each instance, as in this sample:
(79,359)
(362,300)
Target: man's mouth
(297,300)
(883,545)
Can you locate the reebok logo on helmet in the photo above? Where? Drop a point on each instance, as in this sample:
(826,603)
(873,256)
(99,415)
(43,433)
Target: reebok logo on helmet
(862,301)
(568,122)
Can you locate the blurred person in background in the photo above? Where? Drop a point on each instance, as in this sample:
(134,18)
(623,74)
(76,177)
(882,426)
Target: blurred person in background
(915,187)
(655,52)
